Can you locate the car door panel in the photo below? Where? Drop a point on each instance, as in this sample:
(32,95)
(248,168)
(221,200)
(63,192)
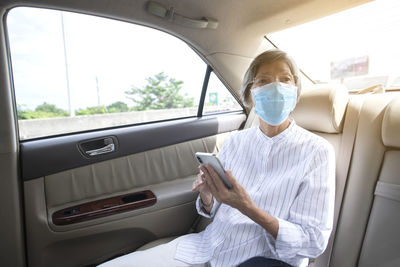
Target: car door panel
(102,239)
(165,167)
(51,155)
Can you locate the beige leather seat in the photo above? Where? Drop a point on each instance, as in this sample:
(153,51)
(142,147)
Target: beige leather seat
(381,245)
(368,230)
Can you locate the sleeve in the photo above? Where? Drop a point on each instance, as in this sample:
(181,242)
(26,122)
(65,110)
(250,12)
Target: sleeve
(307,230)
(200,210)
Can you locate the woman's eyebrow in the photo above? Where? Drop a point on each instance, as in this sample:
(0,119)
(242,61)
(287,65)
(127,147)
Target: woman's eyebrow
(279,73)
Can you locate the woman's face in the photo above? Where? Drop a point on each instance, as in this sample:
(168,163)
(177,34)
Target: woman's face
(277,71)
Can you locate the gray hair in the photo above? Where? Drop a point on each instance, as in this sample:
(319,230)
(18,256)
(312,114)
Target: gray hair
(264,58)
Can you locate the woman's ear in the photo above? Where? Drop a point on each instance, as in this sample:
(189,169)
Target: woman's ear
(250,99)
(251,102)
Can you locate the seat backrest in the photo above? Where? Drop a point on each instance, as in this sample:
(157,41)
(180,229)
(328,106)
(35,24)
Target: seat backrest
(368,155)
(381,245)
(369,232)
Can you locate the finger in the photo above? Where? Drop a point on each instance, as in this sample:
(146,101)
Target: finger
(230,178)
(209,180)
(195,185)
(199,178)
(203,170)
(216,179)
(203,178)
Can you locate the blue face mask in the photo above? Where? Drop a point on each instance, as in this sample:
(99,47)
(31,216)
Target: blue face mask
(274,101)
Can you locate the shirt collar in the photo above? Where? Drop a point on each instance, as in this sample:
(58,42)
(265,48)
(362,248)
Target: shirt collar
(279,136)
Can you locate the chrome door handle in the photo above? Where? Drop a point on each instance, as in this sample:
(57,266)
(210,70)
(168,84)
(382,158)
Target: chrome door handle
(107,149)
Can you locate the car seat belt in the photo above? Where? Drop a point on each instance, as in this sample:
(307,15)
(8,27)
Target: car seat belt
(343,166)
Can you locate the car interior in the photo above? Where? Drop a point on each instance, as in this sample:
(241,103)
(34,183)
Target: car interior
(82,197)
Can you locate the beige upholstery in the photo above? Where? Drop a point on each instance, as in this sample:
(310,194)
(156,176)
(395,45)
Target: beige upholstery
(228,56)
(364,170)
(391,124)
(381,243)
(105,238)
(168,172)
(125,173)
(157,242)
(322,108)
(12,247)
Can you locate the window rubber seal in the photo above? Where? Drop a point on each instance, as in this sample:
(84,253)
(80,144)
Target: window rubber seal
(204,91)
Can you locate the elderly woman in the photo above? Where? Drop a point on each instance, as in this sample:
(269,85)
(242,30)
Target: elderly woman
(280,206)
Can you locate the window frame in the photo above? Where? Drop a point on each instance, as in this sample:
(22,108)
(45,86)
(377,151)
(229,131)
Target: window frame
(203,92)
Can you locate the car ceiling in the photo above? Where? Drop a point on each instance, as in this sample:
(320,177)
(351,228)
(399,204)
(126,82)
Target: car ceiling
(238,37)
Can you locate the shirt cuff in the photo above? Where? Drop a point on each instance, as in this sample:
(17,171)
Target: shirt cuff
(288,240)
(200,210)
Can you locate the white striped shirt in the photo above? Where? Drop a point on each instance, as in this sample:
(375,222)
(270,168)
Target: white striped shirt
(292,177)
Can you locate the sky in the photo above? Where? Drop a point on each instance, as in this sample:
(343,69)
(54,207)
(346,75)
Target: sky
(120,55)
(372,30)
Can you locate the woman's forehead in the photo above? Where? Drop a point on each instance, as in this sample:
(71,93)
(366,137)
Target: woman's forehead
(276,67)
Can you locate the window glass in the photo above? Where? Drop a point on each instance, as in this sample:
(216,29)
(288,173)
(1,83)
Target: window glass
(75,72)
(218,98)
(358,47)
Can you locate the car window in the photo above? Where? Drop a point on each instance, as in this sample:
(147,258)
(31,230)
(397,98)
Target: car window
(356,47)
(75,72)
(218,98)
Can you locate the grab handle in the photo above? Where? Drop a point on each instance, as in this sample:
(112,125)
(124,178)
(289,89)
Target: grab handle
(98,146)
(107,149)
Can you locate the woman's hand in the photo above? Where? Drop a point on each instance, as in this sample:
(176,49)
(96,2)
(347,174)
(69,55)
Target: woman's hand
(200,185)
(236,197)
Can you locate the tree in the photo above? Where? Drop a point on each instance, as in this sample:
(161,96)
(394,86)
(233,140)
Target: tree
(118,106)
(161,92)
(91,110)
(23,113)
(42,111)
(51,109)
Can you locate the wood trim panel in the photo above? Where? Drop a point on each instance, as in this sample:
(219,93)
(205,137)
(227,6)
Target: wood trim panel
(104,207)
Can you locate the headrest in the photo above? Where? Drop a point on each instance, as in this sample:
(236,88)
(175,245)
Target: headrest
(322,108)
(391,124)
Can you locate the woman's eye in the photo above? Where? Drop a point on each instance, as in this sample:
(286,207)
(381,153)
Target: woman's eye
(260,82)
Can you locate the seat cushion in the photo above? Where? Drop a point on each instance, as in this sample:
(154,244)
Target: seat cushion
(157,242)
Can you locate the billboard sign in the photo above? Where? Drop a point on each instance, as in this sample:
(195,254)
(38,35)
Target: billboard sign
(349,67)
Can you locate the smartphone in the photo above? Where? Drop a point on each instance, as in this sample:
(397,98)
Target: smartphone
(211,159)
